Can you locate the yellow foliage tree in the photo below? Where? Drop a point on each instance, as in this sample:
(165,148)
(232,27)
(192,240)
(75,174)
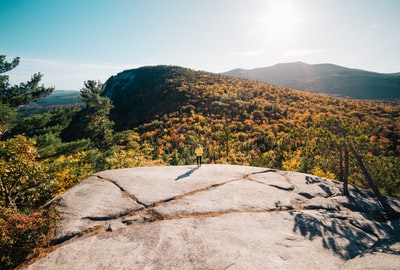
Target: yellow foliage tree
(24,181)
(323,173)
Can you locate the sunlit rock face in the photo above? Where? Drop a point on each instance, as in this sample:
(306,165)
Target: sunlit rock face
(219,217)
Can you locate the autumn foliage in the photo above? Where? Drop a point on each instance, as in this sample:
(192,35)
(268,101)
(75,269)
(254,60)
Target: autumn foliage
(21,234)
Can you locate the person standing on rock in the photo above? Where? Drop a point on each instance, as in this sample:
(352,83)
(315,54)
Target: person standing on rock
(199,154)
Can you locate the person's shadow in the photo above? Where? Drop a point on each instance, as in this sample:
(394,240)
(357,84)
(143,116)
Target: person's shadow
(186,174)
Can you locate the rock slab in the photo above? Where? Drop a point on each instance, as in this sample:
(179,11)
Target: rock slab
(219,217)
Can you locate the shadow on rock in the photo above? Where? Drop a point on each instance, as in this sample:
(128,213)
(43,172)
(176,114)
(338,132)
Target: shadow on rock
(312,179)
(335,235)
(186,174)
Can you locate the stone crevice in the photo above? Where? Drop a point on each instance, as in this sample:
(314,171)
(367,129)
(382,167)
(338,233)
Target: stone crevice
(64,238)
(177,197)
(364,228)
(290,188)
(148,214)
(109,217)
(126,193)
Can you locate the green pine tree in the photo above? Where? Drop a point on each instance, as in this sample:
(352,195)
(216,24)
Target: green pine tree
(24,93)
(99,127)
(13,96)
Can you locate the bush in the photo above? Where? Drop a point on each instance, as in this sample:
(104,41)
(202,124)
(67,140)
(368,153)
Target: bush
(22,235)
(25,182)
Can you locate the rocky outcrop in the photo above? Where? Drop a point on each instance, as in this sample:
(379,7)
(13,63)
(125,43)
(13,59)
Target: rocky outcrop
(219,217)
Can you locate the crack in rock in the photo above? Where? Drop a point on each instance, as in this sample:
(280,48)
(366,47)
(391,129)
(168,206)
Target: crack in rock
(150,215)
(306,195)
(109,217)
(64,238)
(364,227)
(149,207)
(284,175)
(229,266)
(76,234)
(291,188)
(190,193)
(133,197)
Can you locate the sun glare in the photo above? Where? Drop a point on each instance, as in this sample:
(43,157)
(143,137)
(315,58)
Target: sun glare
(278,20)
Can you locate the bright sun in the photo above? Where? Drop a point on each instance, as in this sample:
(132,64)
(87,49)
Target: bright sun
(278,20)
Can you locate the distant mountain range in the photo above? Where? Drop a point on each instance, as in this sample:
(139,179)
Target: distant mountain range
(326,78)
(57,99)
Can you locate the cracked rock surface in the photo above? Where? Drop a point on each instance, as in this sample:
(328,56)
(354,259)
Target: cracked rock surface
(219,217)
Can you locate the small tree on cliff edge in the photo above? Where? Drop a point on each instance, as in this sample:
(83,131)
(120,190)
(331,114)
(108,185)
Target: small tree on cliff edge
(13,96)
(348,142)
(24,93)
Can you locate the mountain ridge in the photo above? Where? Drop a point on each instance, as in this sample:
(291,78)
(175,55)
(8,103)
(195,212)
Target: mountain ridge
(326,78)
(181,90)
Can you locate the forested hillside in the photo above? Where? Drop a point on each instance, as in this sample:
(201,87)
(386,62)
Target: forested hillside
(327,78)
(157,115)
(57,99)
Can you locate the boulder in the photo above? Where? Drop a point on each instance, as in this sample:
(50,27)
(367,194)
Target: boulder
(219,217)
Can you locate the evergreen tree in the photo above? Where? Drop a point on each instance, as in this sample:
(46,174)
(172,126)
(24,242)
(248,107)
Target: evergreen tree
(13,96)
(24,93)
(8,118)
(99,127)
(5,66)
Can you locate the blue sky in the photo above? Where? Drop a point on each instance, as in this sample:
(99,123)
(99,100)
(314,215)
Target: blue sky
(71,41)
